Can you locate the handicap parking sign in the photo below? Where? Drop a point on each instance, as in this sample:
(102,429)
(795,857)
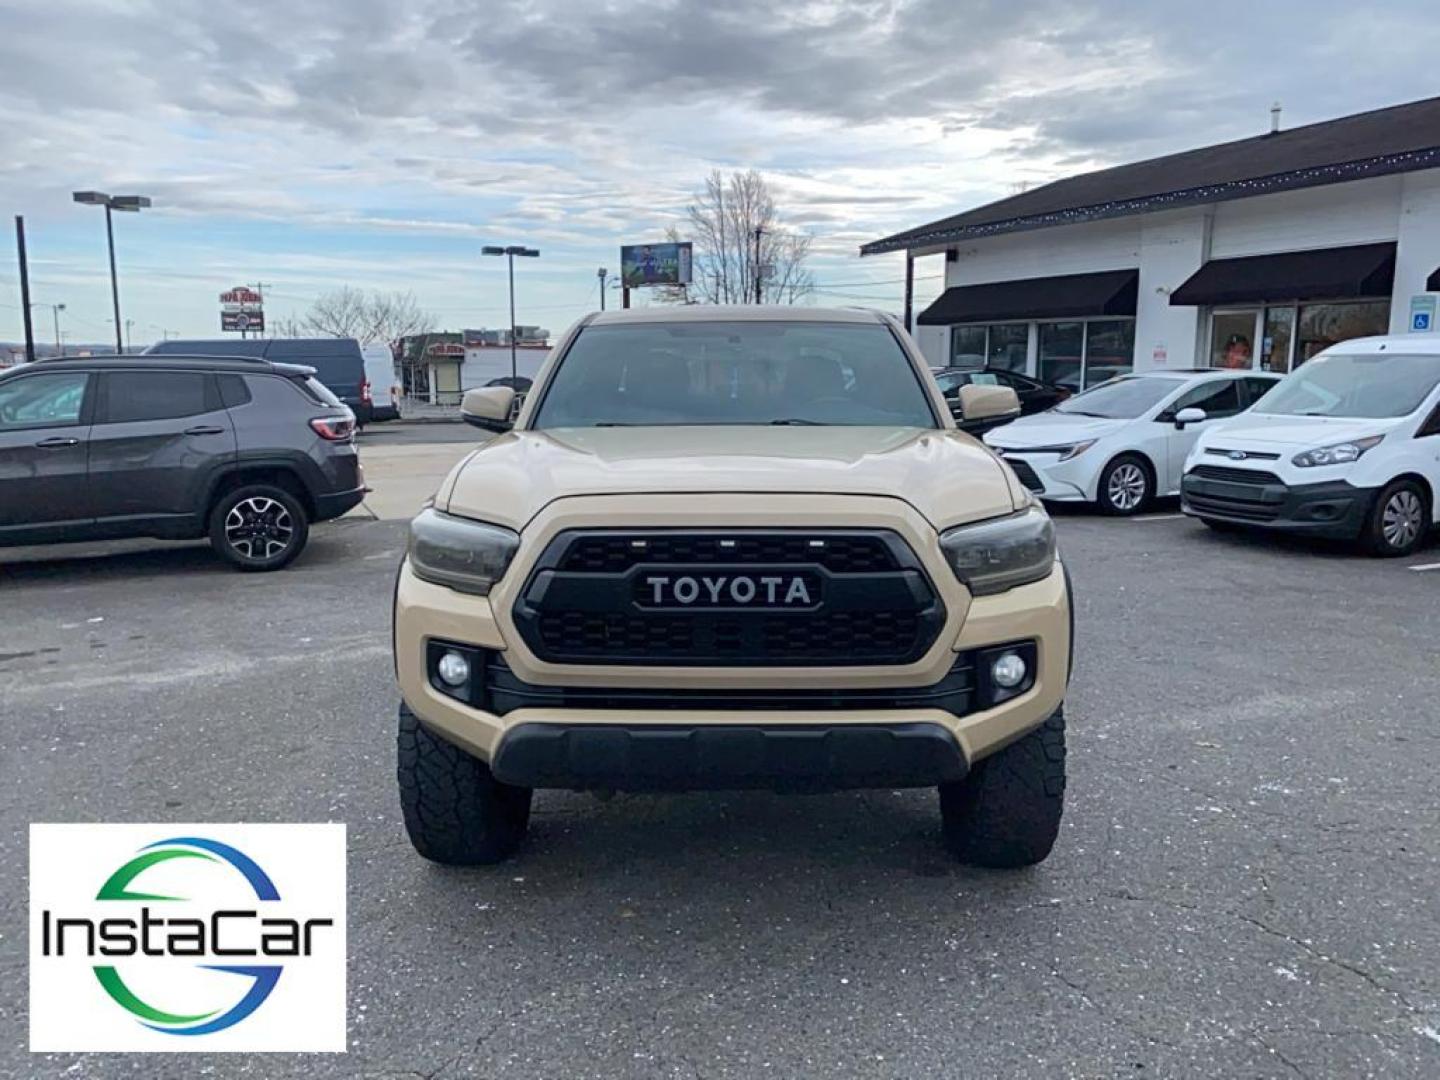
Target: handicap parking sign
(1422,314)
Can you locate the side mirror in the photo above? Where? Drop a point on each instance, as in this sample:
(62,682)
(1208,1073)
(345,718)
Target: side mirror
(1191,415)
(488,408)
(986,407)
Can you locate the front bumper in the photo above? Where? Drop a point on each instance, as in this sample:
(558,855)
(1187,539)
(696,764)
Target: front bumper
(1333,509)
(640,712)
(1050,478)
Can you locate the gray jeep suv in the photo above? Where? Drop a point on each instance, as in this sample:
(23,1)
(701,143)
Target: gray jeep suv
(246,452)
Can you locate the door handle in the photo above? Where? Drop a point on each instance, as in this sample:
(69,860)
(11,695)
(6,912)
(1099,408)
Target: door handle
(57,441)
(204,429)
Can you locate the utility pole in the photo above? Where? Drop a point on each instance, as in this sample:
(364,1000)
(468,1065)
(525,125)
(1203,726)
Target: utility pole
(25,288)
(601,274)
(128,323)
(55,310)
(758,233)
(909,289)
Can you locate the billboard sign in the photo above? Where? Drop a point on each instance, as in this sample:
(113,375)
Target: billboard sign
(243,321)
(241,310)
(655,264)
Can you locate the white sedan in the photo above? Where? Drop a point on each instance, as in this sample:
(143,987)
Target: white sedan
(1122,443)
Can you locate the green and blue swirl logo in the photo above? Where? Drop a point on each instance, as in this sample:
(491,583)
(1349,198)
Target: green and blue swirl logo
(245,941)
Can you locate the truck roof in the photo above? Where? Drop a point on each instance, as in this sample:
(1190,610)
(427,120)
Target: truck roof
(734,313)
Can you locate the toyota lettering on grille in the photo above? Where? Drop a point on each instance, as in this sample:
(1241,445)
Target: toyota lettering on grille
(724,590)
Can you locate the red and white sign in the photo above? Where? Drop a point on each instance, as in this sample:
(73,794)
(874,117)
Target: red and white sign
(242,296)
(446,348)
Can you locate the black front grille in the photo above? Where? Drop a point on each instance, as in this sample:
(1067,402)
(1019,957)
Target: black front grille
(1209,505)
(618,552)
(580,603)
(504,691)
(1025,474)
(1258,455)
(1235,476)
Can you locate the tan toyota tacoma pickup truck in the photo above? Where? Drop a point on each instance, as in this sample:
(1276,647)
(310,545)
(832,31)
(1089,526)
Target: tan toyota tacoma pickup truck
(732,548)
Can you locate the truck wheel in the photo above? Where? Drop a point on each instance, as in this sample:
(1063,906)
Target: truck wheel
(1126,486)
(259,527)
(1006,813)
(456,812)
(1398,521)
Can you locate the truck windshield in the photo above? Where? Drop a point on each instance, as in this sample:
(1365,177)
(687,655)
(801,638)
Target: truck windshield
(1363,387)
(803,373)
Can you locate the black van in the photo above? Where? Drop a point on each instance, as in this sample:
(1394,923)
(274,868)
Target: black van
(338,362)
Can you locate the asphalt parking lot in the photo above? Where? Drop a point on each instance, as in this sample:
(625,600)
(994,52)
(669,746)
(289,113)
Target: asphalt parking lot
(1247,882)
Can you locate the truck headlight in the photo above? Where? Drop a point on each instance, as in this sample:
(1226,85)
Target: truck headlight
(999,554)
(469,556)
(1337,454)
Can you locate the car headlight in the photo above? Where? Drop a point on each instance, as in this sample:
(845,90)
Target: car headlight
(1338,454)
(469,556)
(1076,450)
(993,556)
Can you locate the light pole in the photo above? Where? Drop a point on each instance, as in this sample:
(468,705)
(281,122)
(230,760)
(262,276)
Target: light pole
(125,203)
(601,275)
(510,253)
(55,310)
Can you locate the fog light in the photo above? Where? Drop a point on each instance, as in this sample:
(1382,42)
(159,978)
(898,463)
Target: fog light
(454,669)
(1008,671)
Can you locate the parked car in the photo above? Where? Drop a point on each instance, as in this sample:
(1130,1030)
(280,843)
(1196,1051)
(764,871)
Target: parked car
(338,362)
(1122,443)
(246,452)
(1347,447)
(728,548)
(384,382)
(1035,396)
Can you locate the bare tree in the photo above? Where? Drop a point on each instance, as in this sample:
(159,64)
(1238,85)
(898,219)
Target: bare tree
(367,317)
(738,237)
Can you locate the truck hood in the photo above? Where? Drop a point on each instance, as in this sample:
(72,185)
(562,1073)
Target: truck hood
(1261,431)
(945,475)
(1051,429)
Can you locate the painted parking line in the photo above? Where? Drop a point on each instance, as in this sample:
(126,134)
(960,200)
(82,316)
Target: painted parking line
(1426,566)
(1158,517)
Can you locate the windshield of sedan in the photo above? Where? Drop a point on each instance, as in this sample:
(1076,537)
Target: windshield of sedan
(650,374)
(1124,398)
(1362,387)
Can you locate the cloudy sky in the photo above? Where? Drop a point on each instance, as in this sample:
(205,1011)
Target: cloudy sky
(315,143)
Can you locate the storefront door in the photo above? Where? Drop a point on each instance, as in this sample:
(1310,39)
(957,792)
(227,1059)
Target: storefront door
(1233,333)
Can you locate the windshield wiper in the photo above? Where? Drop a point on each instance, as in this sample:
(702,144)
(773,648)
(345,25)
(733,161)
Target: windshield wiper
(614,423)
(1082,412)
(797,421)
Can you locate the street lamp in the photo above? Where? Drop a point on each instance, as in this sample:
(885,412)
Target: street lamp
(510,253)
(125,203)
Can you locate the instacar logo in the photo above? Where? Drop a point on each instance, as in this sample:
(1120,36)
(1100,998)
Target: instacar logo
(186,940)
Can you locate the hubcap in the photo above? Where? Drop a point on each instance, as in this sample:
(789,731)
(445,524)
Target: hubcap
(1127,487)
(1400,521)
(259,527)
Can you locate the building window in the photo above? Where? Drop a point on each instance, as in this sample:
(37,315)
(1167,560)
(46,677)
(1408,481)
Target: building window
(1290,334)
(1109,349)
(1009,346)
(968,346)
(1003,345)
(1062,354)
(1323,325)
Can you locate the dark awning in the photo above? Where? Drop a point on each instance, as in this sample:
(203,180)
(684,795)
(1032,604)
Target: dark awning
(1433,284)
(1110,292)
(1324,274)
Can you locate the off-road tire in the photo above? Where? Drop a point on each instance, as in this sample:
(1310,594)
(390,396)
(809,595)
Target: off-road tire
(1372,534)
(1006,813)
(1103,496)
(298,522)
(456,812)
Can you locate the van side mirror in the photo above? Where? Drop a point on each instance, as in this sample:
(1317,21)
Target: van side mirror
(986,407)
(488,408)
(1191,415)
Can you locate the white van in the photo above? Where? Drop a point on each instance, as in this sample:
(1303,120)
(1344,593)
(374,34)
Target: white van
(384,382)
(1347,446)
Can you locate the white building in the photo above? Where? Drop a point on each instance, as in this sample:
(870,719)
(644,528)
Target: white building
(1255,253)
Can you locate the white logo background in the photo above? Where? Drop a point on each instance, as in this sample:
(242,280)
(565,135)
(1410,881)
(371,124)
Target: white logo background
(69,1011)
